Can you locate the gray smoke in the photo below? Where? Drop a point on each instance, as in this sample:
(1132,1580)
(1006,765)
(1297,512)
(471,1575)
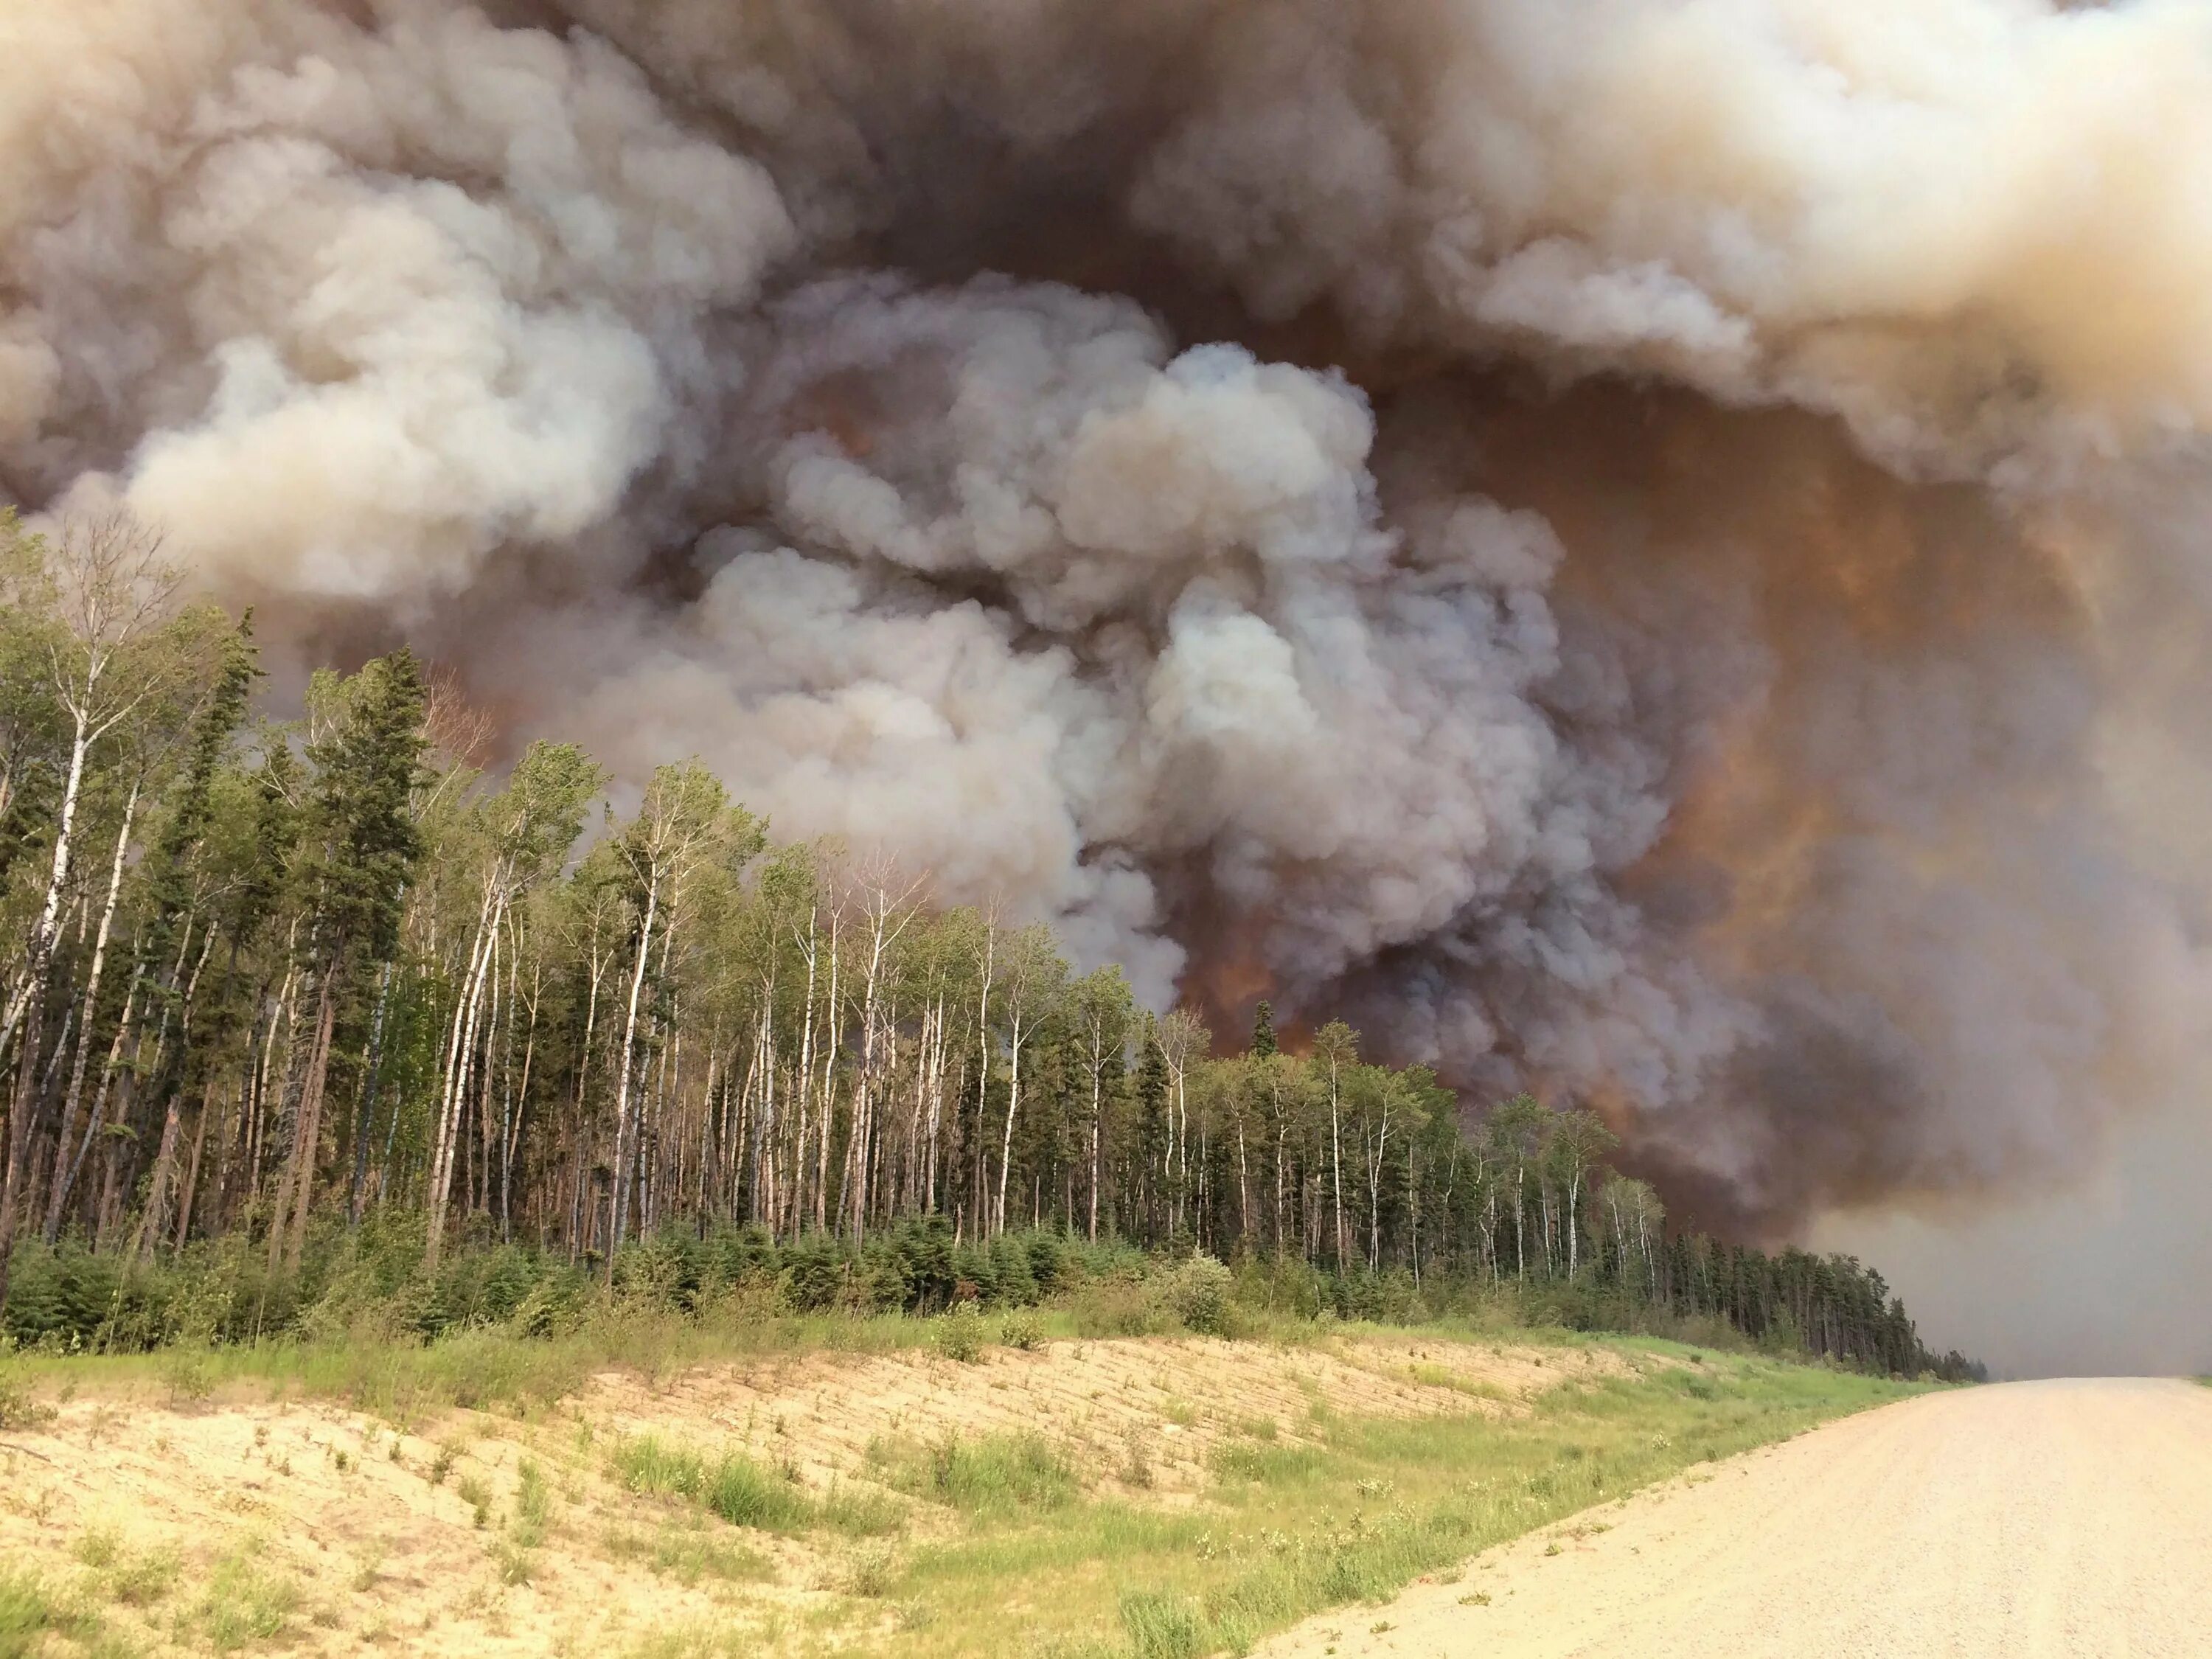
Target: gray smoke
(1616,540)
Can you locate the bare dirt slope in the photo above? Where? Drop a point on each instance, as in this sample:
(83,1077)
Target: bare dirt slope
(1168,1401)
(406,1538)
(2068,1519)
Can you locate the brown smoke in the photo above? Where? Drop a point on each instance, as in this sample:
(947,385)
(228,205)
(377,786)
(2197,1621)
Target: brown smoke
(1617,541)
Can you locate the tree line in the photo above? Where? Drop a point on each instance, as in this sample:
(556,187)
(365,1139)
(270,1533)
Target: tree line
(265,973)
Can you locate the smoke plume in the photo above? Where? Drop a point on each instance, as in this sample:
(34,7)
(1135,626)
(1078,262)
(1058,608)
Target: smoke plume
(1611,540)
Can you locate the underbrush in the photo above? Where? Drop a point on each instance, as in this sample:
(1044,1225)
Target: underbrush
(506,1326)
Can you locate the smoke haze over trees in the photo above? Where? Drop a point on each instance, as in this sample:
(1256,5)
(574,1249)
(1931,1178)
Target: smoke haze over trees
(331,970)
(1605,543)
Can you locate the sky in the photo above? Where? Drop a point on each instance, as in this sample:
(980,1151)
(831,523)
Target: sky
(2113,1278)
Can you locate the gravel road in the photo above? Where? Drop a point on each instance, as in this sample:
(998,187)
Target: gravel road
(2069,1519)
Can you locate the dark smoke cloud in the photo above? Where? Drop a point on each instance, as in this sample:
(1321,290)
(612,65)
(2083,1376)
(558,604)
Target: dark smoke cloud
(1612,539)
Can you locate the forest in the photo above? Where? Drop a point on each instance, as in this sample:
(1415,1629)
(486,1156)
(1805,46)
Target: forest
(273,984)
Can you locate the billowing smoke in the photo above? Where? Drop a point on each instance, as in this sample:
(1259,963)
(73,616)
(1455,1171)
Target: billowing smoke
(1610,539)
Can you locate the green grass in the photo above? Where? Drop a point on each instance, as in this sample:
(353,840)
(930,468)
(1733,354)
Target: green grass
(137,1578)
(689,1553)
(30,1610)
(20,1408)
(1351,1511)
(1000,1550)
(505,1368)
(488,1368)
(732,1486)
(243,1602)
(533,1504)
(979,1475)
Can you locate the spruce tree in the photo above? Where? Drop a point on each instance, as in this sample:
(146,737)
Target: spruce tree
(1263,1032)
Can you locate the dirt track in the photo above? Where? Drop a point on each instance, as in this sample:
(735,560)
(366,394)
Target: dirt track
(2066,1519)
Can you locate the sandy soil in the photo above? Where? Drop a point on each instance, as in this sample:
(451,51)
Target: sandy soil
(1158,1405)
(2071,1519)
(379,1529)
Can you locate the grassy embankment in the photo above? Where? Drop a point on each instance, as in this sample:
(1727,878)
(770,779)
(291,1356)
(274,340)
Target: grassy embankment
(938,1538)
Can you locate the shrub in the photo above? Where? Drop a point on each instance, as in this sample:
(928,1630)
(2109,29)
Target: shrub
(1022,1329)
(1196,1292)
(960,1333)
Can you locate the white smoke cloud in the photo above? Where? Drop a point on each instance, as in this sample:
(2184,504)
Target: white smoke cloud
(969,371)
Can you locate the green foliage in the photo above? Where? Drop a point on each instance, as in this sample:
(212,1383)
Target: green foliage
(732,1486)
(533,1504)
(1162,1626)
(983,1474)
(20,1408)
(960,1333)
(245,1601)
(1196,1292)
(359,993)
(1354,1510)
(29,1610)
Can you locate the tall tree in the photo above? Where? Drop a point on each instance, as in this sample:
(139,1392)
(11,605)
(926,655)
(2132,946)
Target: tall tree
(113,639)
(358,849)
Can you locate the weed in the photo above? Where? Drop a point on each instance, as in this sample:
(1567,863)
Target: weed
(688,1554)
(29,1612)
(744,1495)
(19,1407)
(988,1474)
(1163,1627)
(368,1564)
(1137,1463)
(141,1579)
(533,1504)
(187,1375)
(960,1333)
(100,1428)
(243,1602)
(860,1511)
(733,1488)
(1022,1329)
(871,1572)
(478,1495)
(516,1565)
(441,1465)
(98,1547)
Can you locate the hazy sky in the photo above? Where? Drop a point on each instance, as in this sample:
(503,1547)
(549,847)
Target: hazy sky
(2115,1279)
